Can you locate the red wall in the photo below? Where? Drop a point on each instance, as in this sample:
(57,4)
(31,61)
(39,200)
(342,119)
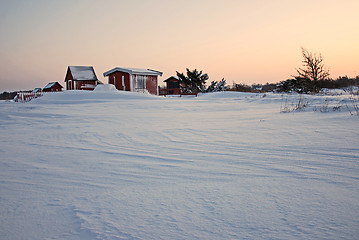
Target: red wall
(172,90)
(116,79)
(151,84)
(85,85)
(80,85)
(55,88)
(69,85)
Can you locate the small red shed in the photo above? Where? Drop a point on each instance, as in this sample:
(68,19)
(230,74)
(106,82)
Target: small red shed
(173,86)
(52,87)
(81,78)
(134,79)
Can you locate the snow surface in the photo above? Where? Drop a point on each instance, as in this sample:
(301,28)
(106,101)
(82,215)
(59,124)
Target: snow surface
(105,88)
(121,165)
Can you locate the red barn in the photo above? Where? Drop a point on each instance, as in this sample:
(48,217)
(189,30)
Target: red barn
(52,87)
(134,79)
(81,78)
(172,86)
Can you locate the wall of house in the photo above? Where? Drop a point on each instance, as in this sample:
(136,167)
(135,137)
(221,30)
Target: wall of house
(55,88)
(152,85)
(85,85)
(116,79)
(171,90)
(78,85)
(68,80)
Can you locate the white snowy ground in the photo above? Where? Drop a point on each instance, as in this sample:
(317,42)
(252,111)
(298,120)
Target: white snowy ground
(116,165)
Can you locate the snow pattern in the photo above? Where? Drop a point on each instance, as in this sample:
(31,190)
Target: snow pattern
(122,165)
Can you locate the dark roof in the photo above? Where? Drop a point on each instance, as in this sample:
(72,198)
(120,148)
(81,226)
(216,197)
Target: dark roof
(172,78)
(84,73)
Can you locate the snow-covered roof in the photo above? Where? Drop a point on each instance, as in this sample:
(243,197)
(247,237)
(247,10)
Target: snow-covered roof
(50,85)
(175,77)
(36,90)
(136,71)
(83,73)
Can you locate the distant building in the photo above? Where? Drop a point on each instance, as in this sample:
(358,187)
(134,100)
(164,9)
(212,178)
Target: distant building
(52,87)
(81,78)
(172,86)
(36,90)
(134,79)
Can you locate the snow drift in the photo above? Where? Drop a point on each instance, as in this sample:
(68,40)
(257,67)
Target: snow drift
(116,165)
(105,88)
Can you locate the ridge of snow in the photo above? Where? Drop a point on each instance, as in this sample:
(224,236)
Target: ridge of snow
(123,165)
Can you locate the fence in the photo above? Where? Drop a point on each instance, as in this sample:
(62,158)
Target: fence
(165,92)
(27,96)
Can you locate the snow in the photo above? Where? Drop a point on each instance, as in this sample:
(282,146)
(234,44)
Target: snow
(83,73)
(136,71)
(123,165)
(105,88)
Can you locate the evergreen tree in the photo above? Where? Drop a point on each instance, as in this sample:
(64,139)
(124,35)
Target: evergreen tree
(212,86)
(194,81)
(220,86)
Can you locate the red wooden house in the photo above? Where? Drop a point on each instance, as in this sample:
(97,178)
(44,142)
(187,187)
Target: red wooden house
(134,79)
(81,78)
(52,87)
(172,86)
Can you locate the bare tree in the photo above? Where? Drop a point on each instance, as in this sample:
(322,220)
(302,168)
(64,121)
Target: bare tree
(313,68)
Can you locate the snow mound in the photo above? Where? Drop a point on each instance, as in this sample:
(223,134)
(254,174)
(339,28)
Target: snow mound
(105,88)
(124,165)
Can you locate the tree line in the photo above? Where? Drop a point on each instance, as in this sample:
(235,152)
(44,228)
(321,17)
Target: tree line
(311,77)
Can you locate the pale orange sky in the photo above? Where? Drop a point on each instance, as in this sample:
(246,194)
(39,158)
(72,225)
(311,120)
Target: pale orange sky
(244,41)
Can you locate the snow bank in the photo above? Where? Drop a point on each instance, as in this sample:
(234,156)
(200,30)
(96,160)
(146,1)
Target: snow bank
(121,165)
(105,88)
(102,94)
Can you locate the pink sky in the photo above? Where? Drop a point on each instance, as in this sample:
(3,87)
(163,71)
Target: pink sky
(241,41)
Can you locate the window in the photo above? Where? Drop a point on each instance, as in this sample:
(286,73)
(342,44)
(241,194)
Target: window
(140,82)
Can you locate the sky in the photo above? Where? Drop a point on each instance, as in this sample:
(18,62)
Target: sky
(243,41)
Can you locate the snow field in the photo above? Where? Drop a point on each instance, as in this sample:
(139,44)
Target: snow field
(116,165)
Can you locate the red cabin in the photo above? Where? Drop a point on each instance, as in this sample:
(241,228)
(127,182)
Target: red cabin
(81,78)
(134,79)
(52,87)
(172,86)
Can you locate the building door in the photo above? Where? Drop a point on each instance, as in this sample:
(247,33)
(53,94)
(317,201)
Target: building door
(69,85)
(140,83)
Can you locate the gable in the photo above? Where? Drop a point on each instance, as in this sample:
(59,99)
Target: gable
(52,84)
(82,73)
(172,79)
